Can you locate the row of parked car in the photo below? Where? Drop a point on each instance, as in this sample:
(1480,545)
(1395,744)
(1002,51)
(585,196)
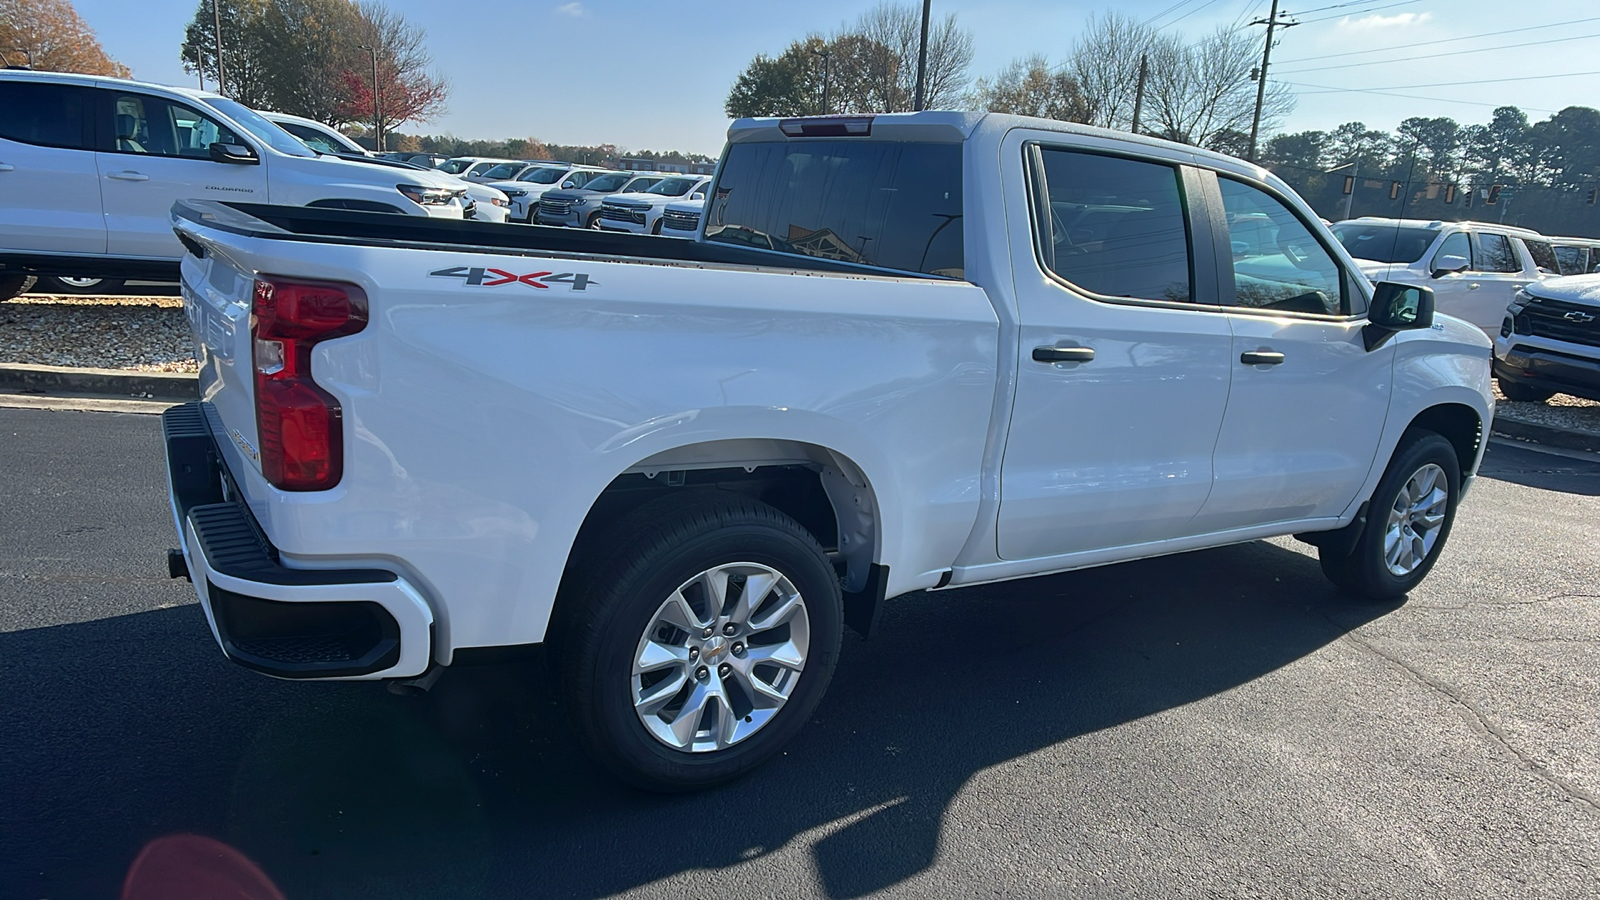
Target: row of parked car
(1511,282)
(90,168)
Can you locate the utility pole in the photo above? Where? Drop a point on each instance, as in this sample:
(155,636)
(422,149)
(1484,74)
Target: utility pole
(377,118)
(826,108)
(922,56)
(216,25)
(1355,182)
(1138,96)
(199,69)
(1272,24)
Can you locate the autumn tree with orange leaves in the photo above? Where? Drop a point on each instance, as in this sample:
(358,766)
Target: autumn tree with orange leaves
(50,36)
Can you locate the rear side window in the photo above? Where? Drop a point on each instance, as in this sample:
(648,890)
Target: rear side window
(50,115)
(1495,254)
(1543,257)
(1117,226)
(1573,260)
(878,203)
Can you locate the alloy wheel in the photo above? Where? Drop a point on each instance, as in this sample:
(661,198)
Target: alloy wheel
(1416,520)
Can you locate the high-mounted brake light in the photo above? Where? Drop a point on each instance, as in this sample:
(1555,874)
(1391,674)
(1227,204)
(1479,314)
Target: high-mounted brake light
(827,126)
(299,425)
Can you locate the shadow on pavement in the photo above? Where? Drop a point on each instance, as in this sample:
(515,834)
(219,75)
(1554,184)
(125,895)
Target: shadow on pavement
(118,731)
(1530,467)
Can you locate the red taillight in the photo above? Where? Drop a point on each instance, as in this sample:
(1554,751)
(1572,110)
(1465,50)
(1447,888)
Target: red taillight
(298,423)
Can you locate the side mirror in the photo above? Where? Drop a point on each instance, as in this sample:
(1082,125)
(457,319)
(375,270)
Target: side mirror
(1449,265)
(697,196)
(238,154)
(1397,307)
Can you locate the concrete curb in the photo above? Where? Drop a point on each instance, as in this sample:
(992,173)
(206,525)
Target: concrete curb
(76,381)
(1544,434)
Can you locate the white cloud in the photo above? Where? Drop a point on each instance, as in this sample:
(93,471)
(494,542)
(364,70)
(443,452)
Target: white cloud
(573,9)
(1376,22)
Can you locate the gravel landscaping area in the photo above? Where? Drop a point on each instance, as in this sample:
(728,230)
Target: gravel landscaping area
(150,334)
(142,334)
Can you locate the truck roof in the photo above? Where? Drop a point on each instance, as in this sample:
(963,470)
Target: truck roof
(1437,224)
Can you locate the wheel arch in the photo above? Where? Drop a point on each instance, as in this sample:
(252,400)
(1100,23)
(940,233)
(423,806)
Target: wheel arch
(1457,423)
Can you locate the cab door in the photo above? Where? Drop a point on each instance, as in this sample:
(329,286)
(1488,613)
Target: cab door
(1124,359)
(159,153)
(1499,268)
(49,187)
(1308,400)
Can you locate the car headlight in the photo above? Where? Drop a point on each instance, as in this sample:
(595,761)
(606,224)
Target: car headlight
(581,201)
(426,196)
(498,202)
(1519,302)
(515,193)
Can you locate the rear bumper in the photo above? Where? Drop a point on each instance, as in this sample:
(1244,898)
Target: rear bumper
(354,624)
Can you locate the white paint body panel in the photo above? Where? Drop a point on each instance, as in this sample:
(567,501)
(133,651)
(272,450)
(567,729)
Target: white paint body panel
(482,423)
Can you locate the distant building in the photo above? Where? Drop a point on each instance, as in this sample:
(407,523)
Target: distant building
(656,165)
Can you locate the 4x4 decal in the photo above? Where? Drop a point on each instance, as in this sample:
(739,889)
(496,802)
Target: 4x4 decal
(481,276)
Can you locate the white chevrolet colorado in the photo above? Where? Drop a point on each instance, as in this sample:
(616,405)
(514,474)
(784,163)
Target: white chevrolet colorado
(906,352)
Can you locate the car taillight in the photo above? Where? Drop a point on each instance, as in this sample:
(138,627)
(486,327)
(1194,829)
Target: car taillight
(298,423)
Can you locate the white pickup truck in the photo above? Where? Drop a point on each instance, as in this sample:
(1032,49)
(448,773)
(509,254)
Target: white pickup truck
(906,352)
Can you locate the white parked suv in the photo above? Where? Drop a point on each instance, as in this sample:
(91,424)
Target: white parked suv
(1550,341)
(640,212)
(319,137)
(681,218)
(1474,268)
(90,168)
(529,186)
(974,347)
(471,168)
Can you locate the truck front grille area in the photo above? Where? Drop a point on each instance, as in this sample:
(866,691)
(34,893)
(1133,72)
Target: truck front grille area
(555,209)
(622,214)
(680,221)
(1559,321)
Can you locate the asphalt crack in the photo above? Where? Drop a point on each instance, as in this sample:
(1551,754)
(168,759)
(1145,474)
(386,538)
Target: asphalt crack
(1572,791)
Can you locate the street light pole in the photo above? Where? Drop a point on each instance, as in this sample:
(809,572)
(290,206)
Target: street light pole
(922,57)
(825,54)
(216,25)
(377,118)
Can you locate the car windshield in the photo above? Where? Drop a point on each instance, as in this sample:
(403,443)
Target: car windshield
(456,166)
(640,184)
(1385,243)
(607,183)
(542,175)
(503,171)
(251,121)
(673,187)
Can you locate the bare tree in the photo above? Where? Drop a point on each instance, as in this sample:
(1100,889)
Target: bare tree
(1030,87)
(49,35)
(893,35)
(1202,93)
(1105,63)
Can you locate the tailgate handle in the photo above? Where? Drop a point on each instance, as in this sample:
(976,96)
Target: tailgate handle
(1062,354)
(1261,357)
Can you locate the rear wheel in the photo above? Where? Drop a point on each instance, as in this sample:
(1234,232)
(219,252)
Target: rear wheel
(1523,393)
(699,641)
(12,285)
(1408,522)
(71,284)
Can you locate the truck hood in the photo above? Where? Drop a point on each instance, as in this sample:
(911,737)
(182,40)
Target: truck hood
(638,198)
(691,206)
(573,194)
(1584,289)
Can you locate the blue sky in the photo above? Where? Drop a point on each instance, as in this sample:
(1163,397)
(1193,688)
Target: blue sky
(649,75)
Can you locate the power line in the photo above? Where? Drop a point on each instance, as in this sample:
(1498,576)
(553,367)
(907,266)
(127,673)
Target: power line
(1189,13)
(1172,8)
(1401,87)
(1469,37)
(1384,62)
(1357,12)
(1307,12)
(1325,89)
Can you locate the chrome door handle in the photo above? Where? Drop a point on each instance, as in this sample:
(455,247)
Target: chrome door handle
(7,168)
(128,176)
(1261,357)
(1062,354)
(1473,286)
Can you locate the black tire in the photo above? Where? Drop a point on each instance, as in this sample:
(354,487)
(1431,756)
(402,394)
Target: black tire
(632,569)
(594,222)
(1523,393)
(12,285)
(656,228)
(61,285)
(1364,572)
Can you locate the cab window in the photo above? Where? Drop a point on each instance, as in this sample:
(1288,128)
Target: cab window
(1495,254)
(1278,263)
(1454,245)
(153,126)
(45,114)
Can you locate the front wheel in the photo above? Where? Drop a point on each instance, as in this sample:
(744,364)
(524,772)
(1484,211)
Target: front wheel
(12,285)
(1408,522)
(701,639)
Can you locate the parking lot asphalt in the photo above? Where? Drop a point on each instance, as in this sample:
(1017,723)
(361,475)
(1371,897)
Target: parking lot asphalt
(1218,723)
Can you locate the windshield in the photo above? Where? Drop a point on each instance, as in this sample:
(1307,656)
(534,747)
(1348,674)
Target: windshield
(1385,243)
(317,140)
(455,166)
(607,183)
(673,187)
(640,184)
(542,175)
(251,121)
(503,171)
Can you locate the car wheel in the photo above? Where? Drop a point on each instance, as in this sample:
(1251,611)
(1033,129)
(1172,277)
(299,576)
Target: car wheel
(1523,393)
(12,285)
(71,284)
(594,222)
(704,635)
(1408,522)
(656,228)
